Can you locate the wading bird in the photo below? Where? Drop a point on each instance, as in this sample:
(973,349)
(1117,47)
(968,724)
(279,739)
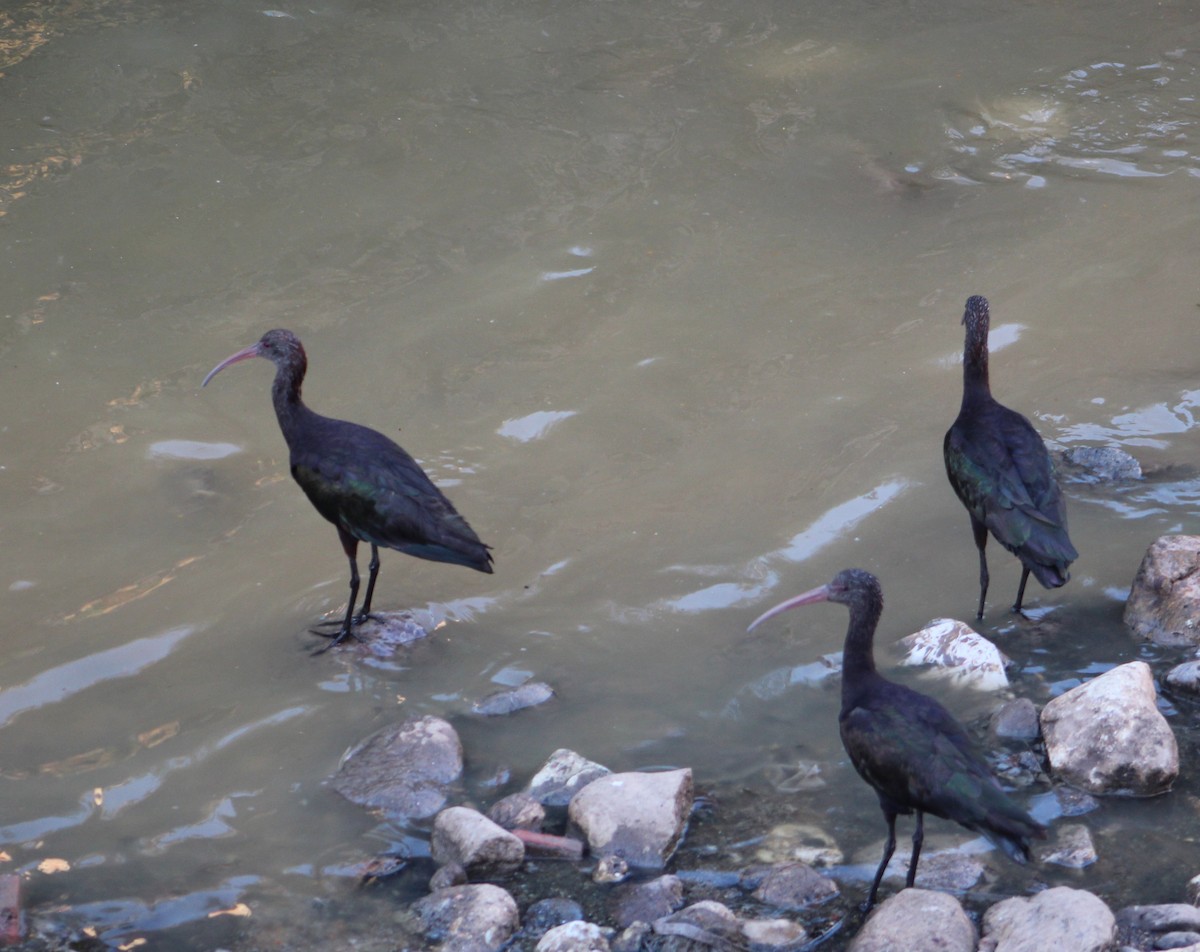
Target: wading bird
(1000,469)
(907,746)
(360,480)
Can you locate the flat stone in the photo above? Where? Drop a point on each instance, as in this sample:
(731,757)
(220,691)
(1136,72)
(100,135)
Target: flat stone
(1109,738)
(917,920)
(958,653)
(468,838)
(645,901)
(1058,918)
(405,771)
(794,886)
(509,701)
(639,817)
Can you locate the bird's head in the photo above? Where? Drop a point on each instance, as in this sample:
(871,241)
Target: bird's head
(281,347)
(852,587)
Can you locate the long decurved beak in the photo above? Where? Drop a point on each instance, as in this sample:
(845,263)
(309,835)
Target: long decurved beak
(818,594)
(246,354)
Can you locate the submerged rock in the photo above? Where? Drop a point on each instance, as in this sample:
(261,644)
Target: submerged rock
(1164,601)
(918,920)
(794,886)
(530,694)
(404,771)
(639,817)
(1108,737)
(1101,464)
(1072,847)
(799,841)
(957,652)
(1058,918)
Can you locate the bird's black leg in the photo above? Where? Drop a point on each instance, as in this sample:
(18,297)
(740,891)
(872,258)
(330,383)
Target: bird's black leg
(1021,590)
(374,568)
(918,839)
(888,849)
(980,531)
(350,546)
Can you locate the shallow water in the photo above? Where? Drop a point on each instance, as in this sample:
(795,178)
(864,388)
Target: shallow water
(665,295)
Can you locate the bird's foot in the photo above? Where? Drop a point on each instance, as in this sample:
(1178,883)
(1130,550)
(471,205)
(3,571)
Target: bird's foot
(335,637)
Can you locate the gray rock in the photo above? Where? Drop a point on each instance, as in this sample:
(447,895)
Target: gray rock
(949,868)
(793,886)
(545,914)
(473,918)
(917,920)
(1185,677)
(1102,463)
(466,837)
(404,771)
(1016,720)
(574,937)
(633,938)
(451,874)
(957,653)
(518,811)
(1193,888)
(799,841)
(1072,847)
(1058,918)
(562,776)
(638,816)
(706,923)
(529,694)
(1164,601)
(645,901)
(1167,917)
(1109,738)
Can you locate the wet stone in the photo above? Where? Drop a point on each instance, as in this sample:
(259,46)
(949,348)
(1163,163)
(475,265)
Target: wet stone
(1142,925)
(545,914)
(794,886)
(957,652)
(1016,720)
(1101,464)
(774,935)
(405,771)
(1072,847)
(562,776)
(799,841)
(706,923)
(645,901)
(518,811)
(1185,677)
(530,694)
(447,875)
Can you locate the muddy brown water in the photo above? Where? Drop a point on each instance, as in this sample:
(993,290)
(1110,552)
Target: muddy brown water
(666,295)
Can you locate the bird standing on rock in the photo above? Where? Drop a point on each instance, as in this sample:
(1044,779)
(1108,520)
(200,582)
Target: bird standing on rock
(1000,469)
(360,480)
(907,746)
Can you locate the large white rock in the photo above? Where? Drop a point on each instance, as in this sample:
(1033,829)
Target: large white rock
(917,920)
(1164,601)
(957,653)
(637,816)
(1061,918)
(1108,737)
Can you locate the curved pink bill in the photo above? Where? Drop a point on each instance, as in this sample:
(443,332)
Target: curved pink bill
(245,354)
(818,594)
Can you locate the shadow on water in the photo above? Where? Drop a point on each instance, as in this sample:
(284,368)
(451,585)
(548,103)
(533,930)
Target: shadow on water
(666,297)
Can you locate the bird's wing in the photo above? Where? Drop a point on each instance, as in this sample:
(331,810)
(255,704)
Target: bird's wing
(374,490)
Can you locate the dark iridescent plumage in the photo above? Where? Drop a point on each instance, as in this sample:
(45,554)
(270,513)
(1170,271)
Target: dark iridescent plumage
(907,746)
(1000,469)
(360,480)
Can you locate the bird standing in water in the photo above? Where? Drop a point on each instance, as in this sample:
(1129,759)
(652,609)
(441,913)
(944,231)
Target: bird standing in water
(907,746)
(360,480)
(1000,469)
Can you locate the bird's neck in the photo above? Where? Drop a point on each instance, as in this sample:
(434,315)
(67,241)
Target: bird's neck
(975,373)
(285,394)
(858,654)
